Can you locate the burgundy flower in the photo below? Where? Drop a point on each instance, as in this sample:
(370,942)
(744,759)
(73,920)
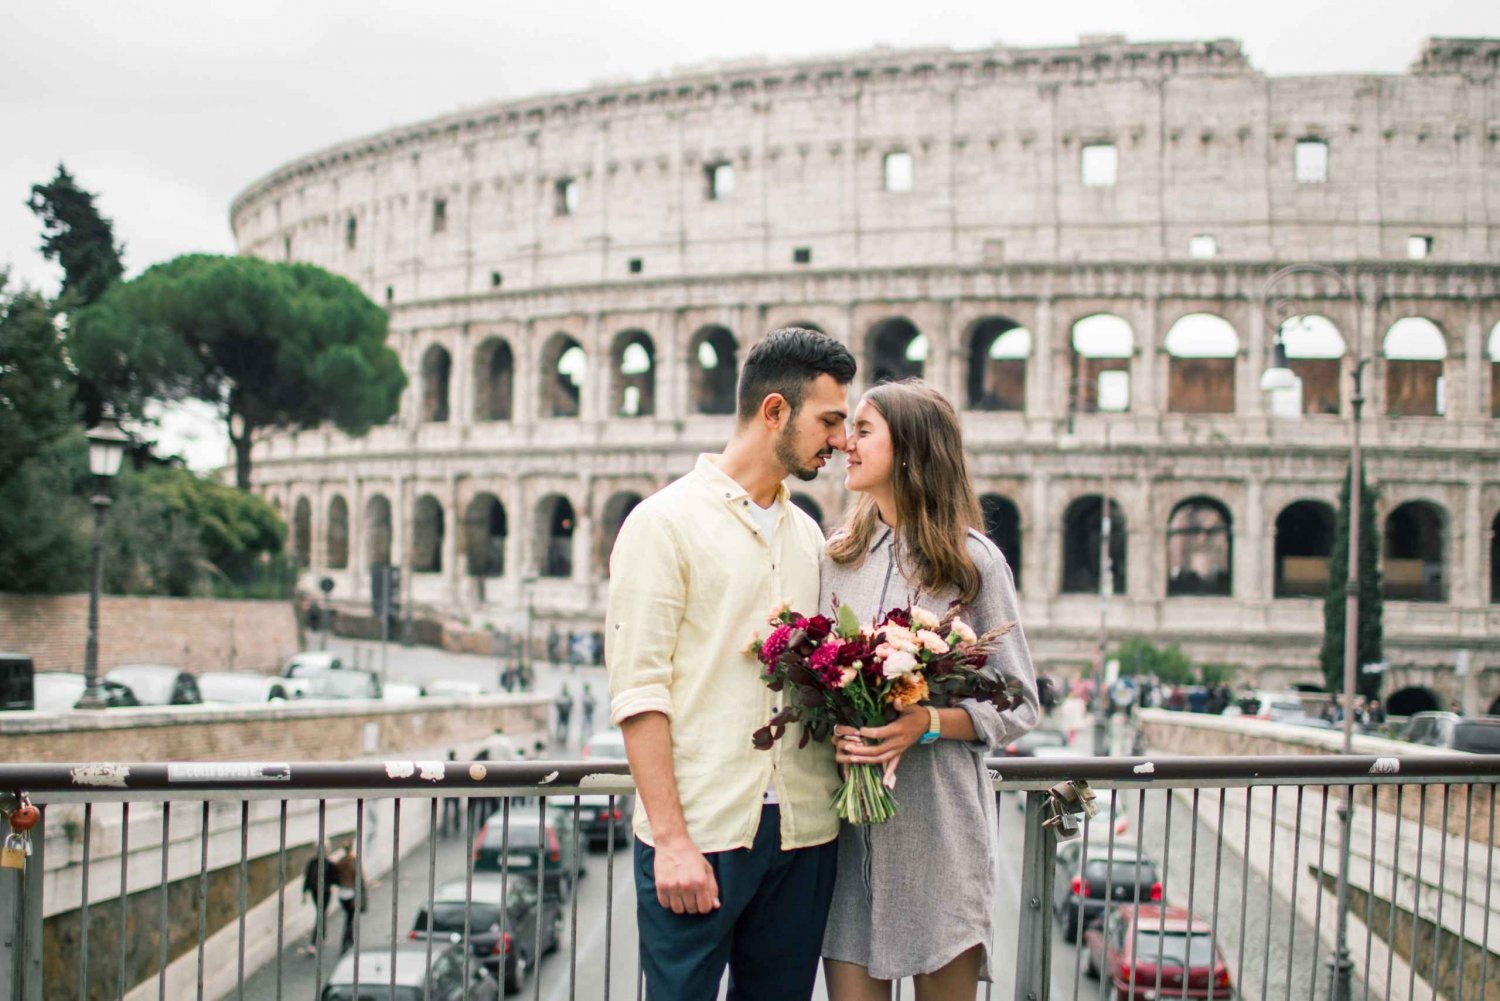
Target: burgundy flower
(900,616)
(818,627)
(775,645)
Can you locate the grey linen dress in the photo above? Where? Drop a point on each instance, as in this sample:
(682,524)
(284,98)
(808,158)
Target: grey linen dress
(916,892)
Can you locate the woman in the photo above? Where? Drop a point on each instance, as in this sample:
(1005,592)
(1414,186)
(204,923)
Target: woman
(915,894)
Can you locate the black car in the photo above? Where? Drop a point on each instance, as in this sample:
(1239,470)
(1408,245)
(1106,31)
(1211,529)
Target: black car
(502,919)
(414,978)
(523,850)
(1123,878)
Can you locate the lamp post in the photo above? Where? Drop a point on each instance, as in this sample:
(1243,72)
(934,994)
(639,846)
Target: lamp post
(1279,376)
(1077,384)
(106,449)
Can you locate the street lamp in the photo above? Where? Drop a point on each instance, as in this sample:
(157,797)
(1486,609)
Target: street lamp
(106,449)
(1279,376)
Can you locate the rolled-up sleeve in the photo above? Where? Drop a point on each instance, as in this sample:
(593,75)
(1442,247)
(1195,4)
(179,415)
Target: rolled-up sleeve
(997,606)
(647,594)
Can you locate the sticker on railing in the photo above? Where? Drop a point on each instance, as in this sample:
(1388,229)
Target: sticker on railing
(477,772)
(229,771)
(551,777)
(431,771)
(100,775)
(400,769)
(1144,768)
(1385,766)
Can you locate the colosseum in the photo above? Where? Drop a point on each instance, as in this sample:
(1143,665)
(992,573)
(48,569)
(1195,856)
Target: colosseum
(1075,244)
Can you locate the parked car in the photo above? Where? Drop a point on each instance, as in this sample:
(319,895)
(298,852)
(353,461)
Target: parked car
(1025,746)
(595,810)
(1139,947)
(1124,878)
(310,662)
(1450,731)
(502,918)
(156,685)
(59,691)
(608,744)
(326,677)
(401,691)
(241,688)
(415,979)
(519,850)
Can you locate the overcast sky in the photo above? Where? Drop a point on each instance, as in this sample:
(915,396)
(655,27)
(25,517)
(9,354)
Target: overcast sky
(168,108)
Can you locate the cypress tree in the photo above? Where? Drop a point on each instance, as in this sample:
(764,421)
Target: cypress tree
(1371,603)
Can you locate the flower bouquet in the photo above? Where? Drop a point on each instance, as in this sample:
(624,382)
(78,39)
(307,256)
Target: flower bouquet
(834,672)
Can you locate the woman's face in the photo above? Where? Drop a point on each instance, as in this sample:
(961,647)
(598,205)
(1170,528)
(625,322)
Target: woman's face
(871,454)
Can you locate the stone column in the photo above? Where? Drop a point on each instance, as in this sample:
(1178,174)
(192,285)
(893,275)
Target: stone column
(1249,556)
(1254,360)
(461,381)
(1040,380)
(1465,549)
(1146,397)
(519,545)
(453,524)
(1473,370)
(358,570)
(1041,567)
(1368,341)
(594,401)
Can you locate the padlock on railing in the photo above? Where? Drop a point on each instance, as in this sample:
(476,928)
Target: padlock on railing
(23,817)
(13,853)
(1066,801)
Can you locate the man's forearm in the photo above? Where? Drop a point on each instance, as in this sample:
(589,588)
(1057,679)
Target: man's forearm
(648,745)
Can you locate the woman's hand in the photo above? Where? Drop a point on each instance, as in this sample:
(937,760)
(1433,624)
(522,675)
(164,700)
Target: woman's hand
(879,745)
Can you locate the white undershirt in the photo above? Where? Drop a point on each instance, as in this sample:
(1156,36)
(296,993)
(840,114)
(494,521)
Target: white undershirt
(765,520)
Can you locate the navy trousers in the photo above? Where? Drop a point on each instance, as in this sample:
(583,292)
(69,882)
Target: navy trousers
(768,929)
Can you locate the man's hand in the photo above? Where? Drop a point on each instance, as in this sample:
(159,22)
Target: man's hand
(685,883)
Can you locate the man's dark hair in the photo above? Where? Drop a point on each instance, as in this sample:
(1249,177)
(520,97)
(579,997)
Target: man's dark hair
(786,362)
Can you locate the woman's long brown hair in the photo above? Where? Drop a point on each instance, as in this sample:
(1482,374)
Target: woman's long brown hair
(935,501)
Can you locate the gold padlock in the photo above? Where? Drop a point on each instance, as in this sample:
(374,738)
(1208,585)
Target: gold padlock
(13,855)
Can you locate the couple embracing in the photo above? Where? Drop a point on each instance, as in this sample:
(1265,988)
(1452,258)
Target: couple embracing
(740,859)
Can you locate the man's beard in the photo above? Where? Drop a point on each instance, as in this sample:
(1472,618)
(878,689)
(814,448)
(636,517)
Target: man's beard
(786,454)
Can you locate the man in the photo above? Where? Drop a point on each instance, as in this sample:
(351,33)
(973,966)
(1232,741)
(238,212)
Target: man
(564,704)
(320,883)
(735,848)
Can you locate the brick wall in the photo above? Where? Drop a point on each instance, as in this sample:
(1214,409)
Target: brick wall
(196,634)
(313,731)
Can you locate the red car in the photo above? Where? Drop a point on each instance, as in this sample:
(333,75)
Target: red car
(1139,948)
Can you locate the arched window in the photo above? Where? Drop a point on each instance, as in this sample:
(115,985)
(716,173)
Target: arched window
(1304,542)
(484,536)
(555,523)
(898,350)
(378,531)
(338,534)
(1494,352)
(1411,700)
(1202,348)
(1199,548)
(616,509)
(1314,352)
(713,370)
(810,506)
(564,369)
(1082,531)
(302,532)
(1414,547)
(634,383)
(998,349)
(427,535)
(437,366)
(1002,523)
(1102,348)
(494,377)
(1414,351)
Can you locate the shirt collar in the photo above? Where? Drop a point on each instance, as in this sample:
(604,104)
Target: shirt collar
(724,486)
(882,537)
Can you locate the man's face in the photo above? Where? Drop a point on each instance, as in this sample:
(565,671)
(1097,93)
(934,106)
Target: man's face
(807,441)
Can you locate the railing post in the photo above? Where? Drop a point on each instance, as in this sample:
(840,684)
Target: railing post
(21,922)
(1038,861)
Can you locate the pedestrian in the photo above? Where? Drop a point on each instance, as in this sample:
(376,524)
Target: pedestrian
(589,705)
(735,848)
(351,892)
(554,645)
(508,678)
(320,881)
(564,704)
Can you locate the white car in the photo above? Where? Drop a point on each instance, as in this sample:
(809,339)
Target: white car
(606,744)
(454,687)
(310,662)
(241,687)
(400,691)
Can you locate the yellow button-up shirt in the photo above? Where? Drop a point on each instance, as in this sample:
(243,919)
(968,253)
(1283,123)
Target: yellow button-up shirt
(691,578)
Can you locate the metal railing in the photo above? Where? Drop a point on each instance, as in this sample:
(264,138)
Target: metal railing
(184,880)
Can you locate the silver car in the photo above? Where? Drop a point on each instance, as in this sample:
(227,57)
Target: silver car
(411,979)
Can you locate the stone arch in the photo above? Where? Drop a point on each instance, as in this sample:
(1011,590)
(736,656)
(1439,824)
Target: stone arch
(1200,548)
(1414,546)
(485,528)
(1082,532)
(1201,349)
(555,524)
(1304,543)
(494,380)
(1002,523)
(713,370)
(563,373)
(897,350)
(302,532)
(336,538)
(1103,345)
(1411,700)
(437,370)
(1493,351)
(616,510)
(427,535)
(1314,352)
(812,508)
(998,351)
(633,375)
(1414,349)
(378,530)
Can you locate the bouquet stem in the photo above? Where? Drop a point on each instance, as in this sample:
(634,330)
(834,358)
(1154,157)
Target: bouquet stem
(863,797)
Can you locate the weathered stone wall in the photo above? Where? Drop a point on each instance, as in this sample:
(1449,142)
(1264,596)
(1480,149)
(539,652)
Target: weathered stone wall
(195,634)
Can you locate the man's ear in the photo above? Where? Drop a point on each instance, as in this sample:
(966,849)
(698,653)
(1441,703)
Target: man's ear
(774,410)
